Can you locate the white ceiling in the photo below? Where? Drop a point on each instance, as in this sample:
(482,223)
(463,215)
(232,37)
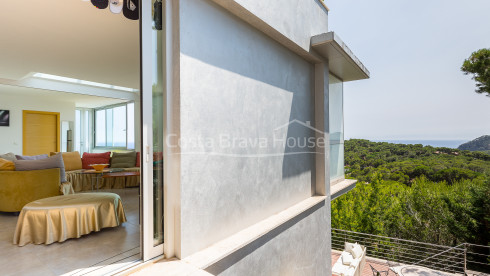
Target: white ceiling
(68,38)
(80,100)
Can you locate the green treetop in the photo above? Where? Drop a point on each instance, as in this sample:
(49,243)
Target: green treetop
(478,64)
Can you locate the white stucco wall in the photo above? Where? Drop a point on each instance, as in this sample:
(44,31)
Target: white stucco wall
(298,20)
(299,248)
(237,82)
(11,137)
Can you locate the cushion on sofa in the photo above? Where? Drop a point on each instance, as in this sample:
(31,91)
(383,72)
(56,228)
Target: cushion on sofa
(34,157)
(8,156)
(55,161)
(72,160)
(157,156)
(95,158)
(346,258)
(138,159)
(356,251)
(6,165)
(123,160)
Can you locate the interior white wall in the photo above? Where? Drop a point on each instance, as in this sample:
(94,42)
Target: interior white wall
(11,137)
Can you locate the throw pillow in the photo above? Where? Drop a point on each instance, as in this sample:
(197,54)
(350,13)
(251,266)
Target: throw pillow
(355,263)
(95,158)
(72,160)
(350,271)
(123,160)
(138,159)
(157,156)
(356,251)
(34,157)
(55,161)
(348,246)
(346,258)
(8,156)
(6,165)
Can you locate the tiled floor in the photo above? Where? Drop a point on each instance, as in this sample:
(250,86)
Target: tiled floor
(74,256)
(380,266)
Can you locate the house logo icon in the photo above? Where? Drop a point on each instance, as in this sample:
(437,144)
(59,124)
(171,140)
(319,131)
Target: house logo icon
(306,124)
(297,137)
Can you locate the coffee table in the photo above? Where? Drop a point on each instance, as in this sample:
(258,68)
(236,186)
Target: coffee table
(98,176)
(107,173)
(56,219)
(120,174)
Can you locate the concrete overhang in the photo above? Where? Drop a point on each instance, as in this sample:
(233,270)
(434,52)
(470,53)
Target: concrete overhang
(341,60)
(341,188)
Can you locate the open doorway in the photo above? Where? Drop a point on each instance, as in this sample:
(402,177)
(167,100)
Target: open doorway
(83,63)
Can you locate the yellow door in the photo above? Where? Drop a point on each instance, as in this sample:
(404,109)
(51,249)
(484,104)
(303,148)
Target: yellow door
(41,132)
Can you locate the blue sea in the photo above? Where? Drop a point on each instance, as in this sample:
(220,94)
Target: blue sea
(435,143)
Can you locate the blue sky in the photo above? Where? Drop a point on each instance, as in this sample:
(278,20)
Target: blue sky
(414,51)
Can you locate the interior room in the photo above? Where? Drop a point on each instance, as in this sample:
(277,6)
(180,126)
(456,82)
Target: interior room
(69,91)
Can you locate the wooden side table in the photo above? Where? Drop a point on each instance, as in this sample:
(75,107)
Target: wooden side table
(98,175)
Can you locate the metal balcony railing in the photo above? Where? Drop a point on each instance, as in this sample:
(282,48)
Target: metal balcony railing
(462,259)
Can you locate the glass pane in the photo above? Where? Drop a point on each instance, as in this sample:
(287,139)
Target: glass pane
(109,127)
(336,161)
(87,126)
(336,109)
(100,128)
(119,126)
(130,122)
(158,88)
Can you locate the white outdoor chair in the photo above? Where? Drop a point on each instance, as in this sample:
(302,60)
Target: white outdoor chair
(355,266)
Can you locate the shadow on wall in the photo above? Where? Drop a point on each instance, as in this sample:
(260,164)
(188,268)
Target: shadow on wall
(299,150)
(226,42)
(234,258)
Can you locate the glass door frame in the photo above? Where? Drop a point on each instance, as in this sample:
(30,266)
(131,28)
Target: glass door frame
(148,250)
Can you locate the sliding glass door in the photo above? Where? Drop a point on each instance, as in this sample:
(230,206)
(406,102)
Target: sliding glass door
(152,110)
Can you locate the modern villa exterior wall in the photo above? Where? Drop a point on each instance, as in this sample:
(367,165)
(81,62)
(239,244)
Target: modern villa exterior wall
(240,81)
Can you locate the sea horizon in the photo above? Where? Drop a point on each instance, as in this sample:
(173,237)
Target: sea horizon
(454,144)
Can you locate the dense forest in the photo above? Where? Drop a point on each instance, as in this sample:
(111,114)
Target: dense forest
(427,194)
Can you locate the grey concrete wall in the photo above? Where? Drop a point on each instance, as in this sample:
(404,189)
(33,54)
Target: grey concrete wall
(298,20)
(301,247)
(236,82)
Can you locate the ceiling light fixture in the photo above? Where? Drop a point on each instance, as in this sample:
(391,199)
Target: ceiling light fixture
(83,82)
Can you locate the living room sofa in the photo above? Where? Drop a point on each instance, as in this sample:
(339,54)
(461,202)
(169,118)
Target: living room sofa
(121,161)
(17,188)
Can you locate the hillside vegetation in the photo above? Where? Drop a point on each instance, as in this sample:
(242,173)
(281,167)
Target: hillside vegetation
(479,144)
(427,194)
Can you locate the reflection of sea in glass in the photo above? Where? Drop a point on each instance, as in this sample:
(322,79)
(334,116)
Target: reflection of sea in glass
(112,125)
(130,130)
(157,93)
(336,127)
(119,127)
(100,127)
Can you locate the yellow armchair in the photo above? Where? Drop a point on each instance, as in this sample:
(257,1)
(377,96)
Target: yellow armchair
(17,188)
